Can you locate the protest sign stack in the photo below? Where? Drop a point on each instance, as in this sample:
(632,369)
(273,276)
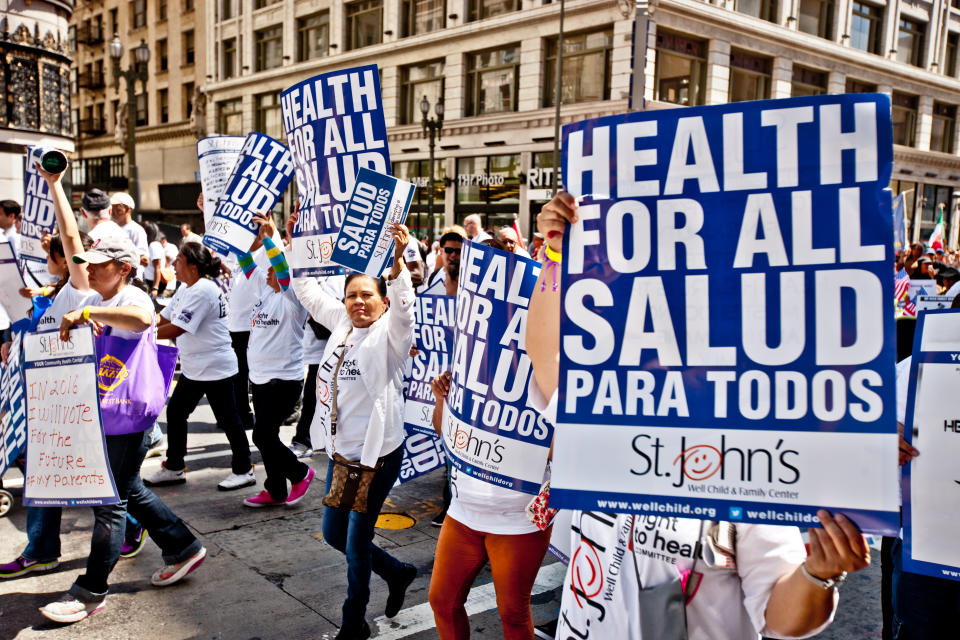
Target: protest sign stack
(258,179)
(335,125)
(727,341)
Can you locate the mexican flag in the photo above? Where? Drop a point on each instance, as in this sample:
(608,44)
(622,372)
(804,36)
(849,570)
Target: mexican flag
(936,237)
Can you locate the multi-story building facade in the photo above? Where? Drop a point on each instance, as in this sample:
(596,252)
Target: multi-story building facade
(34,85)
(494,62)
(169,114)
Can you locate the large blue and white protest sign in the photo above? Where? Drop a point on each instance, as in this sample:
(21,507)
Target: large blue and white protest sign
(335,125)
(727,337)
(217,156)
(67,464)
(37,215)
(422,453)
(258,179)
(490,430)
(13,416)
(433,322)
(365,243)
(931,481)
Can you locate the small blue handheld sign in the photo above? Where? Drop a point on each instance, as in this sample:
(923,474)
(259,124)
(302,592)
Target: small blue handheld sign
(434,318)
(365,243)
(262,173)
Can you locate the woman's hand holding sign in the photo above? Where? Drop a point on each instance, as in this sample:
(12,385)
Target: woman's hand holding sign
(401,236)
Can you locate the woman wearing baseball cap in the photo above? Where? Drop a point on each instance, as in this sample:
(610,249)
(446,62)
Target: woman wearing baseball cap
(128,312)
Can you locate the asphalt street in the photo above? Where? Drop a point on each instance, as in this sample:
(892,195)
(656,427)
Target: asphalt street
(269,574)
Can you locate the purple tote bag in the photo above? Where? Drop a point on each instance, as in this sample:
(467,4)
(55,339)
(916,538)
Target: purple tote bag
(133,377)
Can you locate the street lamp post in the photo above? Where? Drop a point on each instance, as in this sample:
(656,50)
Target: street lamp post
(433,128)
(141,56)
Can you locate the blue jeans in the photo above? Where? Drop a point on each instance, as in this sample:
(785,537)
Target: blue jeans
(924,607)
(175,540)
(351,533)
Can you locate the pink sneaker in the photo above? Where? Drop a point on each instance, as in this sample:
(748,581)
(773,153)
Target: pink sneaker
(299,489)
(262,499)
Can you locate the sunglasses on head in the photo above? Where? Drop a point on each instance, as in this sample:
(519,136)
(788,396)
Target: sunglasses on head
(449,250)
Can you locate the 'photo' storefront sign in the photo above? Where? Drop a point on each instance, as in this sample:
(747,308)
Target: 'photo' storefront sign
(727,341)
(260,176)
(335,125)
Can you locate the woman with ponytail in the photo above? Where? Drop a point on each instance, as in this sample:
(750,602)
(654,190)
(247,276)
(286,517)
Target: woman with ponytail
(197,319)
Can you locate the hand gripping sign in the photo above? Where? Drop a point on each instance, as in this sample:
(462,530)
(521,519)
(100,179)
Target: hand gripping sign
(365,243)
(259,178)
(489,429)
(727,341)
(931,481)
(335,125)
(67,464)
(434,319)
(217,156)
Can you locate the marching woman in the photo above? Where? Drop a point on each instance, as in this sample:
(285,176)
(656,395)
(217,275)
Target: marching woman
(740,581)
(197,318)
(127,312)
(359,416)
(276,329)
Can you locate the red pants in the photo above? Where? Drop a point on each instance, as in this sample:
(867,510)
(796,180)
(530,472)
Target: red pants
(461,554)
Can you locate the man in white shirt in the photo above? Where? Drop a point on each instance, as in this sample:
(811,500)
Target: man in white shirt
(95,209)
(9,216)
(509,239)
(411,255)
(474,227)
(121,209)
(186,232)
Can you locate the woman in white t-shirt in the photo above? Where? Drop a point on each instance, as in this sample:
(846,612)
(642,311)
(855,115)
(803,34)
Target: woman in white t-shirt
(275,361)
(362,375)
(738,580)
(197,318)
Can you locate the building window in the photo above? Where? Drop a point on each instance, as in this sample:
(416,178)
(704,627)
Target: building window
(188,47)
(230,117)
(480,9)
(856,86)
(933,199)
(808,82)
(188,5)
(161,10)
(763,9)
(681,69)
(162,57)
(422,16)
(910,42)
(816,18)
(187,100)
(586,68)
(142,110)
(492,80)
(114,22)
(749,76)
(313,36)
(163,105)
(229,58)
(364,23)
(269,47)
(138,14)
(230,9)
(944,127)
(865,25)
(417,81)
(950,55)
(260,4)
(267,114)
(493,181)
(904,113)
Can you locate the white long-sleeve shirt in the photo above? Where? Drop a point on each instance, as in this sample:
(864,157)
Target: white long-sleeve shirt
(370,378)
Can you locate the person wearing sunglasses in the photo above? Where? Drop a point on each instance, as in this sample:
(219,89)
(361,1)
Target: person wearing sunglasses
(444,281)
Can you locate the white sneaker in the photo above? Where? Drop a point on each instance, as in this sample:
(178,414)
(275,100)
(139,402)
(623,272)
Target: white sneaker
(70,609)
(238,480)
(165,476)
(301,450)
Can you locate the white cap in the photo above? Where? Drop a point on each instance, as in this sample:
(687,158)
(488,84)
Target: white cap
(124,198)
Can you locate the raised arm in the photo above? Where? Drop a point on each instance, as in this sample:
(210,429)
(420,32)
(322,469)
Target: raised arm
(401,294)
(67,225)
(543,316)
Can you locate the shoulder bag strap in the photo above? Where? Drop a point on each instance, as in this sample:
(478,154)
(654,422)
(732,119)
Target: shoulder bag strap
(334,385)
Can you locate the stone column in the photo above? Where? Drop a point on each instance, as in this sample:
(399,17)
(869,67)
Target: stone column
(453,86)
(924,123)
(781,85)
(718,72)
(531,81)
